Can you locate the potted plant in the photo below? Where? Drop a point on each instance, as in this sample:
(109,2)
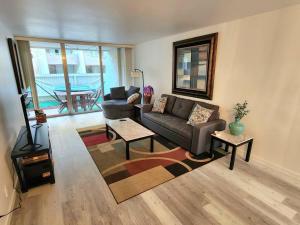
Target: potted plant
(239,111)
(148,92)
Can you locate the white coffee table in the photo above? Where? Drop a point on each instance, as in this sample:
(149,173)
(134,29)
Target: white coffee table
(129,131)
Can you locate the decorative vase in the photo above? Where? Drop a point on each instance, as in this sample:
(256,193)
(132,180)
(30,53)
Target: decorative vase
(147,99)
(236,128)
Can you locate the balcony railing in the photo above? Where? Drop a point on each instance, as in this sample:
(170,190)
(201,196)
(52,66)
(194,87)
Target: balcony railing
(51,81)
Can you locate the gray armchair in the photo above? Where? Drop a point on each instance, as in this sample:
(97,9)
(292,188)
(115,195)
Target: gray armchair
(196,139)
(115,104)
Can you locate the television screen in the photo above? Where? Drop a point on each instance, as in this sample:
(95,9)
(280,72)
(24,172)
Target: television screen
(13,50)
(25,113)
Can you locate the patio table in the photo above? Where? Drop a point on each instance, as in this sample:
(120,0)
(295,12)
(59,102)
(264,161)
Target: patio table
(83,95)
(74,88)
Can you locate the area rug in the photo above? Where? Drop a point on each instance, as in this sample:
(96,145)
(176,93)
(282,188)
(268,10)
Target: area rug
(144,170)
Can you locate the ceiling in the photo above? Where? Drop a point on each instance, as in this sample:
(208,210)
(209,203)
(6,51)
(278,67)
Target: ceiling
(123,21)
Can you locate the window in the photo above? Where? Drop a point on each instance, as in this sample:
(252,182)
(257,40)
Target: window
(92,69)
(55,69)
(53,51)
(72,68)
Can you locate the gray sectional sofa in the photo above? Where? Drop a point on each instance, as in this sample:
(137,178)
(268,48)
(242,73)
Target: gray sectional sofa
(172,124)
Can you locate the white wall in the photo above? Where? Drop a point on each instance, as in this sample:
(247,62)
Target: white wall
(10,123)
(258,59)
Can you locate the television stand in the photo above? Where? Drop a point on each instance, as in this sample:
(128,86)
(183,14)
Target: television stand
(33,163)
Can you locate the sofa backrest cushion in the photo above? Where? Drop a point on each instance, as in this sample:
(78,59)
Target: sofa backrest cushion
(215,115)
(117,93)
(182,108)
(132,90)
(170,102)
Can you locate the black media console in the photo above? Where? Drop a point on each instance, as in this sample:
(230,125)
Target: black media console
(33,163)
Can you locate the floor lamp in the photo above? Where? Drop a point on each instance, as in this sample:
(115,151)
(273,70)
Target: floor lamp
(138,73)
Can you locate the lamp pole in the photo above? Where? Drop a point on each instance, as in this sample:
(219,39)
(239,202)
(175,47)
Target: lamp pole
(141,71)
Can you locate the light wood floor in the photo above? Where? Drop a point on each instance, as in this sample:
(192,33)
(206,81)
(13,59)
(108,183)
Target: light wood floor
(212,194)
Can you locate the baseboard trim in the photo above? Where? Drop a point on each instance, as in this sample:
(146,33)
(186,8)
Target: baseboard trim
(277,168)
(12,204)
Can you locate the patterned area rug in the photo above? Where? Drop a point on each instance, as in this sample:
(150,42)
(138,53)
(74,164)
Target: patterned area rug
(144,170)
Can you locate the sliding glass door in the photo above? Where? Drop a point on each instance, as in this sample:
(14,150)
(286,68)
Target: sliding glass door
(63,78)
(47,78)
(84,73)
(111,68)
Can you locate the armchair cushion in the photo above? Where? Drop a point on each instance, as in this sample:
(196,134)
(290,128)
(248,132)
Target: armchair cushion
(132,90)
(107,97)
(117,105)
(118,93)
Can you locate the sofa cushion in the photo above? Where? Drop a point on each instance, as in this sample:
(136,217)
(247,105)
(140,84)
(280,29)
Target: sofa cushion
(172,123)
(199,115)
(117,105)
(215,115)
(159,105)
(132,90)
(117,93)
(170,102)
(182,108)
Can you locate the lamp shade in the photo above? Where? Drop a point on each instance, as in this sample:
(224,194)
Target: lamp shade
(135,74)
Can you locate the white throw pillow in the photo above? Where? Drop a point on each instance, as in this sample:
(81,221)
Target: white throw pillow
(159,105)
(132,98)
(199,115)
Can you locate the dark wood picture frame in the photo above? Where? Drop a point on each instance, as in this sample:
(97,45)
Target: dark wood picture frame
(210,40)
(14,55)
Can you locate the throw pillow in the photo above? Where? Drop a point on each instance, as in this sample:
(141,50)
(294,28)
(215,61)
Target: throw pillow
(132,98)
(159,105)
(132,90)
(199,115)
(117,93)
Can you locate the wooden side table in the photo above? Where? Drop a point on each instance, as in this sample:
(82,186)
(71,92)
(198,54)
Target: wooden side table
(34,166)
(233,141)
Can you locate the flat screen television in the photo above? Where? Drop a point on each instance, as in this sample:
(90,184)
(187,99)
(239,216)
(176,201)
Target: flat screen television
(30,139)
(31,130)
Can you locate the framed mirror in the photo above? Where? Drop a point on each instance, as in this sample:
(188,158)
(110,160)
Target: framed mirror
(194,66)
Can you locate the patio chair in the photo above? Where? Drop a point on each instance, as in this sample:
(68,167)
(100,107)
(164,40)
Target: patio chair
(62,102)
(93,100)
(28,98)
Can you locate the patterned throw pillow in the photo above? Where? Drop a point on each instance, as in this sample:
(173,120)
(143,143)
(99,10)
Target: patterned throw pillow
(132,98)
(159,105)
(199,115)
